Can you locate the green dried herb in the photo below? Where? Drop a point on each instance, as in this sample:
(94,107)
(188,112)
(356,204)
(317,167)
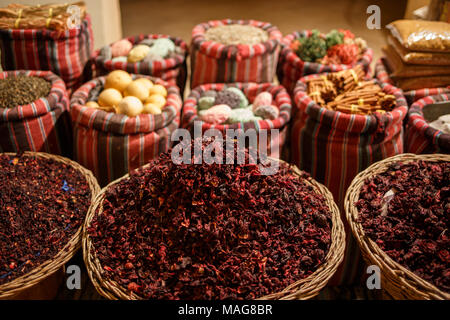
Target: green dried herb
(333,38)
(313,47)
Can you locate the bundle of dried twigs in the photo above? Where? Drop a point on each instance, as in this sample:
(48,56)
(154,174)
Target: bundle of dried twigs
(49,16)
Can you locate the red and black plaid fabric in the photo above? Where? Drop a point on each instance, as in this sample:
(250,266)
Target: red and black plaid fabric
(64,53)
(420,136)
(411,96)
(173,70)
(41,126)
(251,90)
(213,62)
(291,68)
(334,147)
(110,144)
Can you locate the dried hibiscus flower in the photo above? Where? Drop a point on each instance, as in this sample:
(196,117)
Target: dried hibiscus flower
(43,203)
(406,211)
(217,231)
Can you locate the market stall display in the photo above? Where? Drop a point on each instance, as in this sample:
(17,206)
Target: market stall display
(44,199)
(235,235)
(39,38)
(310,52)
(34,113)
(427,127)
(154,55)
(397,211)
(163,228)
(110,140)
(227,51)
(245,106)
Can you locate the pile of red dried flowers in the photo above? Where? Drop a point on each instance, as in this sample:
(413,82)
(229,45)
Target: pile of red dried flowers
(42,204)
(406,211)
(210,231)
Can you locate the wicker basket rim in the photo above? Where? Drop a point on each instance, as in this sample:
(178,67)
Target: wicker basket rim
(303,289)
(47,268)
(418,287)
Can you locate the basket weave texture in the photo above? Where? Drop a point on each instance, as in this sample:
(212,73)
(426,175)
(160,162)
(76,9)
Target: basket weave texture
(397,280)
(40,273)
(306,288)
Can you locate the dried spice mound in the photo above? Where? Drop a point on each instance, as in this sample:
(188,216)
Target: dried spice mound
(210,231)
(42,204)
(22,90)
(234,34)
(406,211)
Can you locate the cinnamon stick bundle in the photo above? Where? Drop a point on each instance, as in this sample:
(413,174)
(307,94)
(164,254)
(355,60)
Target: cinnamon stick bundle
(347,79)
(347,91)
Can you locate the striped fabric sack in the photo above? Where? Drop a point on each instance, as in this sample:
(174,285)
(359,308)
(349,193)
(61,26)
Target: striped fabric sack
(334,147)
(420,136)
(291,68)
(213,62)
(173,70)
(41,126)
(64,53)
(110,144)
(411,96)
(251,90)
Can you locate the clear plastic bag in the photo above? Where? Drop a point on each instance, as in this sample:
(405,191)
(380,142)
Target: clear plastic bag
(419,35)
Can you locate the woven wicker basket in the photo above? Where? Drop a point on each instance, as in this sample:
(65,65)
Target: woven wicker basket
(18,286)
(302,289)
(398,281)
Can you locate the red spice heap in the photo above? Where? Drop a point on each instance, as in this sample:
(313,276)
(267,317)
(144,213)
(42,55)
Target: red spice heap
(413,228)
(210,231)
(42,204)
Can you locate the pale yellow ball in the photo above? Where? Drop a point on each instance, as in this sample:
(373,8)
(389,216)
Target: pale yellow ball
(118,79)
(136,89)
(108,109)
(158,89)
(130,106)
(146,82)
(156,99)
(92,104)
(138,53)
(151,108)
(109,97)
